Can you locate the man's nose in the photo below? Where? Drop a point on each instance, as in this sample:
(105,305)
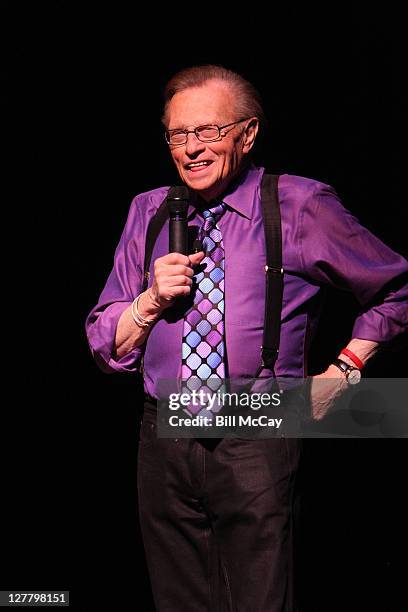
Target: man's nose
(193,145)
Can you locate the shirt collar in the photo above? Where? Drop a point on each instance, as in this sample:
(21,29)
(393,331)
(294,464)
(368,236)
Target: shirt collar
(242,192)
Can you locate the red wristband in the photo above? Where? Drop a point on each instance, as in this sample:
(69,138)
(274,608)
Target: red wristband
(353,358)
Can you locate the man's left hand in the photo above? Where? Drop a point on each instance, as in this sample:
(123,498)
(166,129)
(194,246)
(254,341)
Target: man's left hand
(325,389)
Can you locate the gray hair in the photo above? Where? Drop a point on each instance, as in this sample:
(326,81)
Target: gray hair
(247,99)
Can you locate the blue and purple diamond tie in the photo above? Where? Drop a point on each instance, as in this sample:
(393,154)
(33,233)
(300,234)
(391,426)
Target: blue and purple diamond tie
(203,348)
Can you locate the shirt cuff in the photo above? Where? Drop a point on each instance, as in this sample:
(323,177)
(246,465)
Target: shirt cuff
(101,337)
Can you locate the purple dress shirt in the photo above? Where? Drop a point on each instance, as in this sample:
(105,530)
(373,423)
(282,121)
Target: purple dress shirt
(323,244)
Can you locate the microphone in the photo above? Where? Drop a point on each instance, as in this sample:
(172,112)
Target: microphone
(177,202)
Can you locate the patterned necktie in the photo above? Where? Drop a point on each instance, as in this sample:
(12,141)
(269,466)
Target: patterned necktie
(203,346)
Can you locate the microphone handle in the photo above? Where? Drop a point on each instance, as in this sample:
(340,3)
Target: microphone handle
(178,242)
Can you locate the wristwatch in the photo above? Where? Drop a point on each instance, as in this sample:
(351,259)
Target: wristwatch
(353,375)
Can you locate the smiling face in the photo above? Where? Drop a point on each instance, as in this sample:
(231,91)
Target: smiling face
(208,167)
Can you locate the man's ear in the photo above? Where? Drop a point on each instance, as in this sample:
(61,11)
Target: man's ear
(250,133)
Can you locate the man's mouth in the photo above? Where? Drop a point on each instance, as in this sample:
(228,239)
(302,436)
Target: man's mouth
(198,166)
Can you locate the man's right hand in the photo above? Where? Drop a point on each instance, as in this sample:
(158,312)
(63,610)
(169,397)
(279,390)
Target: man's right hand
(173,276)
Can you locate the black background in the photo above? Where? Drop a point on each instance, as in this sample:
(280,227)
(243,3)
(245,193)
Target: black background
(82,107)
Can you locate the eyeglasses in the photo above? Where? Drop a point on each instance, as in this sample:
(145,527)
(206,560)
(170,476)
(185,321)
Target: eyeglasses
(205,133)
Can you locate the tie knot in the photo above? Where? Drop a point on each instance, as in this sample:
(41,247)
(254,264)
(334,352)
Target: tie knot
(213,215)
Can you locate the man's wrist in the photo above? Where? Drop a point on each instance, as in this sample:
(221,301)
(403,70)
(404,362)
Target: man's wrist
(361,350)
(334,372)
(351,373)
(346,359)
(148,307)
(346,352)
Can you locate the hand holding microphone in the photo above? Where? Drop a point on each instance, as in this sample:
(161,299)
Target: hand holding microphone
(173,277)
(174,272)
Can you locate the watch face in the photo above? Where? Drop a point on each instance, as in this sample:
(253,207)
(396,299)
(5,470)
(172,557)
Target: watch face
(354,377)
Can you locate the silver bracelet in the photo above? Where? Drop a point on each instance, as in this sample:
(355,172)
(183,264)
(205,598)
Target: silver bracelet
(137,317)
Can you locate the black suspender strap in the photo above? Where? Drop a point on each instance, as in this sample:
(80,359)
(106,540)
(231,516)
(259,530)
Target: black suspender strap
(273,271)
(153,230)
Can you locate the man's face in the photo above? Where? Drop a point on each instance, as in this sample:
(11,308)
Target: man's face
(213,103)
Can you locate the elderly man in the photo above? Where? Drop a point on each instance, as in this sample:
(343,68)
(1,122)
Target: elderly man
(217,519)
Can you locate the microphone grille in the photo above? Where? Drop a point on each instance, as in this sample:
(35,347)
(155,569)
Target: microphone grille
(178,192)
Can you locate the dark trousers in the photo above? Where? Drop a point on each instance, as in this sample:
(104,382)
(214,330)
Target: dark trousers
(217,520)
